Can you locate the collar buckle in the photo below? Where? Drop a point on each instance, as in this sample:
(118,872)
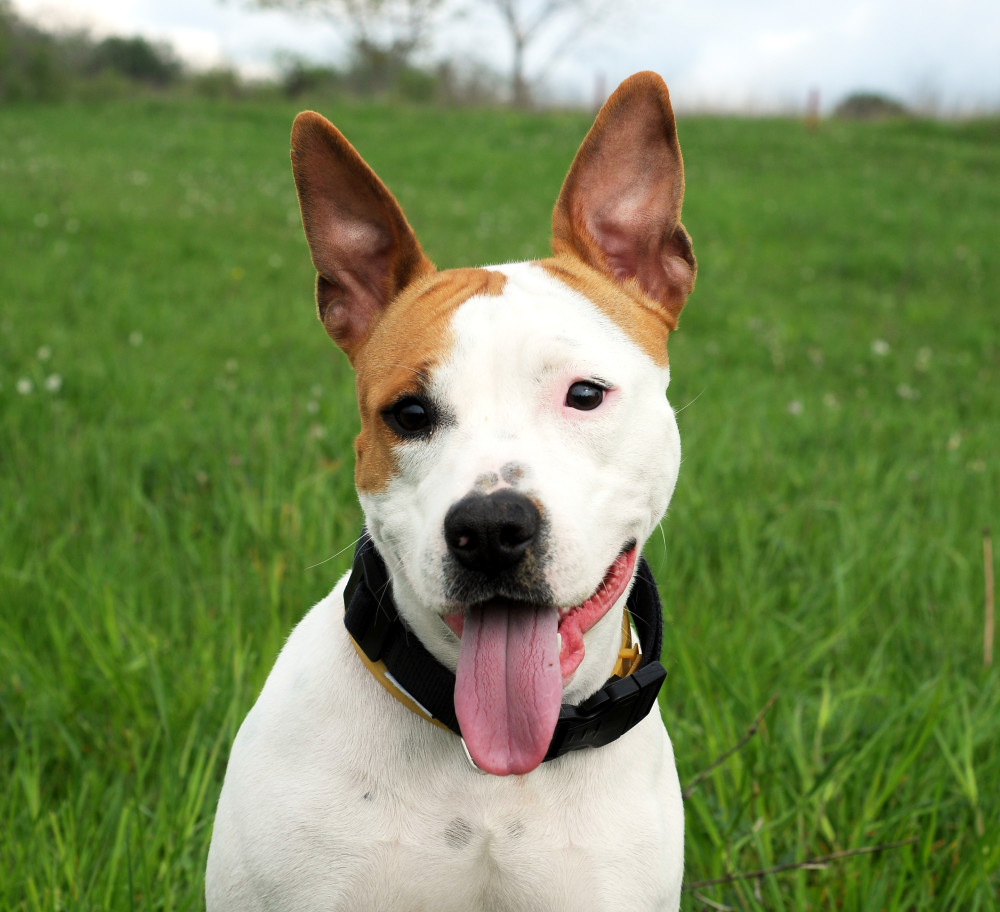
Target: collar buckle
(608,714)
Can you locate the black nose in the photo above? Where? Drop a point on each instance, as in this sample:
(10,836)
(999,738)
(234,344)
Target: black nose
(491,532)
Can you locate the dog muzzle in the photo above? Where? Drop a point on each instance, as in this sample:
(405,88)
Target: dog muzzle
(401,664)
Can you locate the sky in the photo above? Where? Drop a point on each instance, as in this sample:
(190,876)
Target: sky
(737,55)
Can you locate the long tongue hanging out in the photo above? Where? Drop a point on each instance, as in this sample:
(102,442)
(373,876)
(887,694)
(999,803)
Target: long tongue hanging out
(508,685)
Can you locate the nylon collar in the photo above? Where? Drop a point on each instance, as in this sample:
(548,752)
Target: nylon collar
(381,636)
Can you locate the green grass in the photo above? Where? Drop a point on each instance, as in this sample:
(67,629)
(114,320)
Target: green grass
(175,480)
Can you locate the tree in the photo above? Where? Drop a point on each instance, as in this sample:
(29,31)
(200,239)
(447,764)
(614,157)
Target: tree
(869,106)
(137,59)
(383,35)
(527,20)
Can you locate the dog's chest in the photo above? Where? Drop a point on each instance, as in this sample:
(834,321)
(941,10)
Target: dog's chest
(371,807)
(470,861)
(466,849)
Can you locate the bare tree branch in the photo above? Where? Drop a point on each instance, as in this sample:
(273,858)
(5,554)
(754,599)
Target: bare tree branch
(750,732)
(397,28)
(525,21)
(811,863)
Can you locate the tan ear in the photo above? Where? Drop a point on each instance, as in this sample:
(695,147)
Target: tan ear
(620,206)
(361,244)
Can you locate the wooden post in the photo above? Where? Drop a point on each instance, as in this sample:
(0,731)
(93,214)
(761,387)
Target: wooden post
(988,578)
(812,110)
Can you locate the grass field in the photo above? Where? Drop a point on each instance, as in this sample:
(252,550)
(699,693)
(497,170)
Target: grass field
(175,481)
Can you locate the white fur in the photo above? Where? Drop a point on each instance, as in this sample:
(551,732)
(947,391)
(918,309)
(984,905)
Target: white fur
(339,798)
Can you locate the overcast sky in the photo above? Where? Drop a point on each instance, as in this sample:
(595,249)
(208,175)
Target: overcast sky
(722,54)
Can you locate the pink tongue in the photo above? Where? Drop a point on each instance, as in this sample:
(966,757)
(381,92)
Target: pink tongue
(508,687)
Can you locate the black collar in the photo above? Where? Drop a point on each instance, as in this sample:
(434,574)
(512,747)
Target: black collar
(374,623)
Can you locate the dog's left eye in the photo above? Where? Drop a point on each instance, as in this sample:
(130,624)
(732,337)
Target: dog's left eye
(584,396)
(408,417)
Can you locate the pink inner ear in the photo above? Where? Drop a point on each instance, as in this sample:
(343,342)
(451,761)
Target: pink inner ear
(618,246)
(354,271)
(658,264)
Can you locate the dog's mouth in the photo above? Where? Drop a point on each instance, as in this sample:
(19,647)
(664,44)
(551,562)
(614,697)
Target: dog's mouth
(513,661)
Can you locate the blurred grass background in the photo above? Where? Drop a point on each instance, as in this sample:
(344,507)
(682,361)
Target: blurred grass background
(176,479)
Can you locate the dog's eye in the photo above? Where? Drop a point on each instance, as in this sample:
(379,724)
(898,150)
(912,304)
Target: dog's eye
(409,417)
(584,396)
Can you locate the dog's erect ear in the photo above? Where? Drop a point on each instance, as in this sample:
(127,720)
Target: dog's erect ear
(361,244)
(620,206)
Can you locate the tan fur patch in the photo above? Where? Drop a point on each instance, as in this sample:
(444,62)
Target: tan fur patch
(645,321)
(412,336)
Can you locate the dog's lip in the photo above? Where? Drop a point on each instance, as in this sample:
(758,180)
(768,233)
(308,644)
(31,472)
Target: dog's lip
(576,619)
(614,582)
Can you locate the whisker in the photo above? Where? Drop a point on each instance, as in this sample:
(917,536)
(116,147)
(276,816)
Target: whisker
(691,402)
(327,560)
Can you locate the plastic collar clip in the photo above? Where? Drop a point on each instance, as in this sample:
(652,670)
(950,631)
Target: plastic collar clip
(609,713)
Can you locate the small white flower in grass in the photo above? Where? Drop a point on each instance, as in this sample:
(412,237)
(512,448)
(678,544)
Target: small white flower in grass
(53,383)
(312,407)
(135,338)
(905,391)
(795,407)
(44,353)
(24,386)
(880,347)
(923,361)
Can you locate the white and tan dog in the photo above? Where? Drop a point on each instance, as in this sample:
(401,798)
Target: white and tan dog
(516,451)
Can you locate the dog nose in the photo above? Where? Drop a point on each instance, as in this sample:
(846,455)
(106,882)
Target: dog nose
(491,532)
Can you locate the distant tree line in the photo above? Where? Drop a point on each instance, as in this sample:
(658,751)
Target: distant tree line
(388,54)
(388,38)
(387,41)
(37,65)
(40,65)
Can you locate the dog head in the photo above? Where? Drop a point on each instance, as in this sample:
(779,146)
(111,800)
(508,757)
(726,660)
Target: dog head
(516,445)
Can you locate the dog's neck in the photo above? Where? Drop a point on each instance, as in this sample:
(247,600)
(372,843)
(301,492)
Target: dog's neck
(420,682)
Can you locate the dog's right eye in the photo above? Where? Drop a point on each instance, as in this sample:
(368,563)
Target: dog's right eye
(409,417)
(584,396)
